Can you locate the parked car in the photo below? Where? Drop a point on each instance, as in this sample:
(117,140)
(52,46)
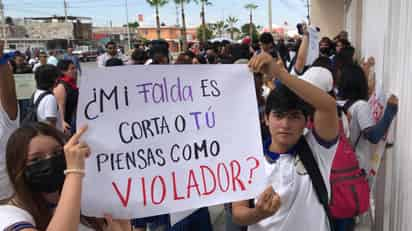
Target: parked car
(86,55)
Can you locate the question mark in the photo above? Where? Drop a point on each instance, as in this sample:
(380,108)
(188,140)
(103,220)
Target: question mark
(252,169)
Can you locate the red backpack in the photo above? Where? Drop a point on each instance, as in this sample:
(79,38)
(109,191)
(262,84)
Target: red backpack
(349,187)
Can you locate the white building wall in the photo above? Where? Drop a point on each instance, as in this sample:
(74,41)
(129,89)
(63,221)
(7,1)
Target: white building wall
(328,15)
(387,35)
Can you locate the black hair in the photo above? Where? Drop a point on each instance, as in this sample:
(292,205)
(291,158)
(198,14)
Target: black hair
(201,59)
(240,51)
(158,49)
(342,59)
(110,43)
(139,56)
(326,40)
(282,99)
(266,38)
(18,53)
(190,54)
(345,42)
(324,62)
(114,62)
(353,84)
(63,65)
(225,42)
(46,76)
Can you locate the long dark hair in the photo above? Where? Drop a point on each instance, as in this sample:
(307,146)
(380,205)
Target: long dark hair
(353,84)
(16,157)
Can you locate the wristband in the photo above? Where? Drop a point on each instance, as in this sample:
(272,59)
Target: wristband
(6,57)
(75,171)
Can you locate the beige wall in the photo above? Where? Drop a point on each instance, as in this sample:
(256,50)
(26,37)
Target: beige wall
(328,15)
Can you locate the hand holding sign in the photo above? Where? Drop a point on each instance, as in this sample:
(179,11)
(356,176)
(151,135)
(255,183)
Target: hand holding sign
(393,100)
(76,151)
(117,225)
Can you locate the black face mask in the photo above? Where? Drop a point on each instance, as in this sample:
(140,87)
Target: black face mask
(46,176)
(325,51)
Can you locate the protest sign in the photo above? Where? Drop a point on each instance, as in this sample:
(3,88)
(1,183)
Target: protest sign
(169,138)
(313,48)
(25,85)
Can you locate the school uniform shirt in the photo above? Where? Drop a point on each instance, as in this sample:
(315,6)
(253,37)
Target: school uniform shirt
(7,127)
(300,208)
(14,218)
(48,108)
(361,117)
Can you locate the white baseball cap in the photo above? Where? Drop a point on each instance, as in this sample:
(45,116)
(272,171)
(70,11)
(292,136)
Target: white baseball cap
(320,77)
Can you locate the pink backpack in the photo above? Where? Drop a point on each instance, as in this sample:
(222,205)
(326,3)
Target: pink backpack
(349,187)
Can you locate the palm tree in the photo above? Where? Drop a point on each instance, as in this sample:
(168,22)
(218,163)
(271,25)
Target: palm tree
(157,4)
(203,3)
(231,21)
(219,27)
(251,7)
(182,8)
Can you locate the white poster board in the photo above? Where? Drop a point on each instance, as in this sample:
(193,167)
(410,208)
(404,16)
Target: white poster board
(169,138)
(313,49)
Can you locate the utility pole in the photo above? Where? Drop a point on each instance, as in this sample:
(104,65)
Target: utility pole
(177,15)
(65,10)
(128,26)
(270,15)
(66,20)
(3,24)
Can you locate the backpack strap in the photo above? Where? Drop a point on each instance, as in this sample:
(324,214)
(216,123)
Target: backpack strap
(306,156)
(41,96)
(348,104)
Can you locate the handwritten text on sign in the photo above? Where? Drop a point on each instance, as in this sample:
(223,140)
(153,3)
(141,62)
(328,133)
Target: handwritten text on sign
(169,138)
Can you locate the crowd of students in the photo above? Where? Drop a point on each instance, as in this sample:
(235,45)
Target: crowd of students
(300,105)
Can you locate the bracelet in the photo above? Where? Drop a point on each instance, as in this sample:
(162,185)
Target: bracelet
(76,171)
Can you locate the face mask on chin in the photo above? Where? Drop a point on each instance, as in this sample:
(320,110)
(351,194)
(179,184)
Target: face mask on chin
(46,176)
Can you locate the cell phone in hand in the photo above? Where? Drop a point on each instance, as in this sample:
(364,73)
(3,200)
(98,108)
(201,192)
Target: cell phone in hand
(299,26)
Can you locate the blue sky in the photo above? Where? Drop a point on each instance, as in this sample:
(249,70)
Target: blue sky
(104,11)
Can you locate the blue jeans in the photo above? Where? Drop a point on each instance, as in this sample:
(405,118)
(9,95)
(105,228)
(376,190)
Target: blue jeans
(347,224)
(199,221)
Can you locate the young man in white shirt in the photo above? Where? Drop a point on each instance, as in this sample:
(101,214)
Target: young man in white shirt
(8,119)
(290,201)
(47,110)
(42,60)
(111,53)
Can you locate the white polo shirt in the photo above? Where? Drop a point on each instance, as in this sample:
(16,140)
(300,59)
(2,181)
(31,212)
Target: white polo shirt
(300,208)
(48,108)
(12,216)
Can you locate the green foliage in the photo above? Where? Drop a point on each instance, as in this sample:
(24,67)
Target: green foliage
(245,31)
(201,29)
(158,3)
